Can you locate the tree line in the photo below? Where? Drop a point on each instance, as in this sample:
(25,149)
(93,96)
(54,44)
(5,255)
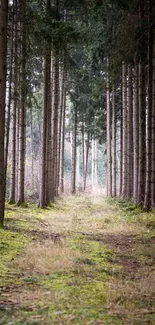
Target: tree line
(84,68)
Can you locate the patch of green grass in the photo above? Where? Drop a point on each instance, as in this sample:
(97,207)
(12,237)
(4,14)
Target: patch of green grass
(11,244)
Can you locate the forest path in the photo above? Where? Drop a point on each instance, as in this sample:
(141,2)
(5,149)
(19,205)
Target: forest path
(86,260)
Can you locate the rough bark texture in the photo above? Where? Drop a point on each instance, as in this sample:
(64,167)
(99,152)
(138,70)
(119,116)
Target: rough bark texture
(130,136)
(42,199)
(153,127)
(147,200)
(48,140)
(83,148)
(3,51)
(7,135)
(62,145)
(22,142)
(12,197)
(125,135)
(74,134)
(114,141)
(135,133)
(121,151)
(55,124)
(86,163)
(108,141)
(44,188)
(142,115)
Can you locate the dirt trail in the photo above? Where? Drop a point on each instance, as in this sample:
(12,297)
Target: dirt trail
(85,261)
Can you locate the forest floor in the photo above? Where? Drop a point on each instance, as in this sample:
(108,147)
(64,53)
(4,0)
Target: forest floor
(86,260)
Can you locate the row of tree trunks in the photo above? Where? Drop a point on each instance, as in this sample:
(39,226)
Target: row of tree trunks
(53,129)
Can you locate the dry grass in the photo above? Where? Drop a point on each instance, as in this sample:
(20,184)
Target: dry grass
(91,214)
(132,296)
(35,295)
(46,258)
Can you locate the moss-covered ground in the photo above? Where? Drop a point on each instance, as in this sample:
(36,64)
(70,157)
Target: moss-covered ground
(85,260)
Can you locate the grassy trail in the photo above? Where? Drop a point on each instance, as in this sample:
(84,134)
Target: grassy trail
(86,260)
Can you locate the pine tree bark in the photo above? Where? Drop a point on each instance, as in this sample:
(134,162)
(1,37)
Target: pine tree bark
(44,188)
(121,151)
(62,145)
(135,133)
(32,159)
(153,126)
(130,135)
(7,136)
(114,141)
(74,134)
(147,200)
(48,127)
(42,198)
(142,117)
(86,163)
(125,135)
(108,141)
(83,149)
(12,197)
(93,163)
(17,147)
(60,122)
(3,54)
(56,109)
(22,142)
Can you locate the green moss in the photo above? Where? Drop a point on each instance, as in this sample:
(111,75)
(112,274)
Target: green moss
(11,244)
(11,202)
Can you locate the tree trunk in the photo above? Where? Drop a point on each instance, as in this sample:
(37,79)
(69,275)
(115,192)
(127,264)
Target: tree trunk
(3,54)
(86,163)
(130,136)
(83,149)
(7,136)
(62,146)
(125,135)
(73,180)
(121,151)
(96,166)
(153,126)
(147,200)
(32,159)
(12,197)
(60,124)
(114,141)
(55,124)
(135,133)
(48,127)
(42,199)
(22,143)
(44,189)
(93,163)
(108,141)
